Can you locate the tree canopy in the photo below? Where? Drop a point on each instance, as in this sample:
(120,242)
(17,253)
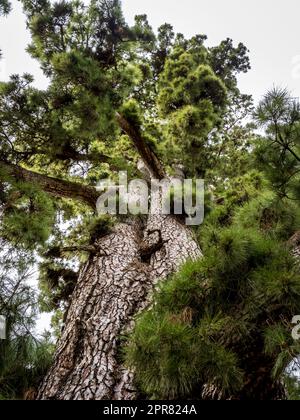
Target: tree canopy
(117,94)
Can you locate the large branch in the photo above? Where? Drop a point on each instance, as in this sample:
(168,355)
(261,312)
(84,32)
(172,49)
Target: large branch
(72,154)
(68,153)
(53,186)
(147,155)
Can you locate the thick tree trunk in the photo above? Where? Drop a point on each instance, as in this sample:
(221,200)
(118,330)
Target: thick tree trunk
(114,286)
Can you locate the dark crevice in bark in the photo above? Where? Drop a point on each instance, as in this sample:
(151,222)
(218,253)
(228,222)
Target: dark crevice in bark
(148,250)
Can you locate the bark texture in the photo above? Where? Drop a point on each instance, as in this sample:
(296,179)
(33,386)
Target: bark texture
(114,286)
(53,186)
(148,157)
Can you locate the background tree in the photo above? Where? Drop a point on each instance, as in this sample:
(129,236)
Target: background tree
(122,97)
(229,333)
(24,358)
(278,154)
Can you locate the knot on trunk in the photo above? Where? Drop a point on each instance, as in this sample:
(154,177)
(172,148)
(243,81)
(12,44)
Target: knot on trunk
(152,243)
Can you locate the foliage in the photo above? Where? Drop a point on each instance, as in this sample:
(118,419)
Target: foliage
(175,92)
(24,358)
(293,387)
(220,321)
(228,313)
(24,207)
(278,154)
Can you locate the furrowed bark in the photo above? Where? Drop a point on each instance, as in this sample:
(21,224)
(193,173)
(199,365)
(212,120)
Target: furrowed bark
(111,291)
(53,186)
(114,286)
(149,158)
(259,383)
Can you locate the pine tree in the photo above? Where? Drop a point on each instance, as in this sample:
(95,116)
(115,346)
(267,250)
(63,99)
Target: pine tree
(221,327)
(5,7)
(278,154)
(124,98)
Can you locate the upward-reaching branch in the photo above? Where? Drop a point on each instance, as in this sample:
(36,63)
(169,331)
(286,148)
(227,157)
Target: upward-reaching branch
(87,194)
(148,156)
(53,186)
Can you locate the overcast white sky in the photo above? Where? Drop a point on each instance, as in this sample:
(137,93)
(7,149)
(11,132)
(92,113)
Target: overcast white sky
(269,28)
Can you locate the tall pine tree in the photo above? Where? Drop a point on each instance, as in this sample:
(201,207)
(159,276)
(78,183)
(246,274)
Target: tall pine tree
(124,98)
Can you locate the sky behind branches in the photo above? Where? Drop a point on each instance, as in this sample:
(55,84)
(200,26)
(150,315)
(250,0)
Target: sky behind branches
(269,28)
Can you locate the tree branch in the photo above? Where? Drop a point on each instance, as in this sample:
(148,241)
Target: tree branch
(67,154)
(293,153)
(58,252)
(53,186)
(148,156)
